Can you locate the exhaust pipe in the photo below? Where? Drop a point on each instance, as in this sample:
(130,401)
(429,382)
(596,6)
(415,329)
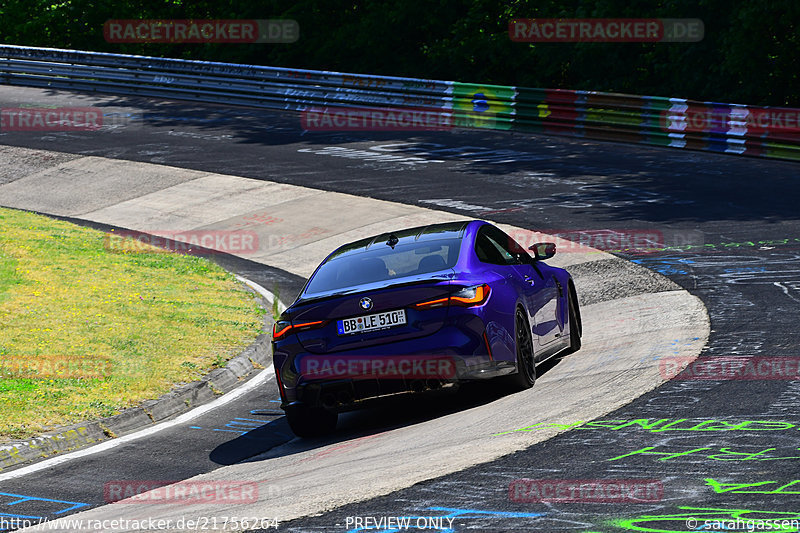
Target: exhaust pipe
(329,401)
(344,397)
(434,384)
(417,385)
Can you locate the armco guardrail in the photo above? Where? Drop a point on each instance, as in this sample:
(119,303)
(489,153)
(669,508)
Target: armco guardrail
(730,128)
(679,123)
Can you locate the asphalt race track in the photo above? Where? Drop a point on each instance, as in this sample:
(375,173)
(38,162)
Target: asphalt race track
(715,449)
(633,319)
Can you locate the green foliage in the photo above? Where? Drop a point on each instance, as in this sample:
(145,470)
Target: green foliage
(8,275)
(749,53)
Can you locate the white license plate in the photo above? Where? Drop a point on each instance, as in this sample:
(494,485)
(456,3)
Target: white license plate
(362,324)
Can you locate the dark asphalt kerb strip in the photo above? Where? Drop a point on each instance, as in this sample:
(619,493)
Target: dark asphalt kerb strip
(615,278)
(180,400)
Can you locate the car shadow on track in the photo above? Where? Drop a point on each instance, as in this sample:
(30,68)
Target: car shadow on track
(254,442)
(406,411)
(275,439)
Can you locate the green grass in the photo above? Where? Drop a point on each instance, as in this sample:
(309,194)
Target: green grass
(154,318)
(8,275)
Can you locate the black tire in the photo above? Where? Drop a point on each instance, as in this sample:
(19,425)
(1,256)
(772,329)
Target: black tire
(309,422)
(575,325)
(526,365)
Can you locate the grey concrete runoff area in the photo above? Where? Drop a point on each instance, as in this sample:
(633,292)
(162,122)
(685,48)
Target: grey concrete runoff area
(632,320)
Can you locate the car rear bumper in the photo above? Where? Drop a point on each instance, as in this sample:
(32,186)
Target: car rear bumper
(344,380)
(354,393)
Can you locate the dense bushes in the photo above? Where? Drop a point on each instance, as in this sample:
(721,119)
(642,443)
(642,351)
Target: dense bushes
(749,53)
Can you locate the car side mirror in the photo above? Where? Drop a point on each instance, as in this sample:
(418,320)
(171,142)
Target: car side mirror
(543,250)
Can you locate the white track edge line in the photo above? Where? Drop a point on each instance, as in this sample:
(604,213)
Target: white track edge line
(268,296)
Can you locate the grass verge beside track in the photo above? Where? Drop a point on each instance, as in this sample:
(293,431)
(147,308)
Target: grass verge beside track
(87,329)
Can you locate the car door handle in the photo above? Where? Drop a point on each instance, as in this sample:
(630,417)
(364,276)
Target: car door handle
(530,280)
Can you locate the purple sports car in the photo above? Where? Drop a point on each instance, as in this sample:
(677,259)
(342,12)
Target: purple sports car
(417,310)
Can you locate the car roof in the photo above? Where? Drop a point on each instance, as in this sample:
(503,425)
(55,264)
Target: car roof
(431,232)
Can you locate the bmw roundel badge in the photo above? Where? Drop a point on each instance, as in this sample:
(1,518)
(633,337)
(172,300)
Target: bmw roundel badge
(365,303)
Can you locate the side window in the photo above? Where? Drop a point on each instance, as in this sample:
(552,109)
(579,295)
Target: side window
(510,247)
(493,246)
(486,251)
(514,247)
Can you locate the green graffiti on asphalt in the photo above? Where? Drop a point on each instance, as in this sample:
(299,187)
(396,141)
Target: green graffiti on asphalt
(748,488)
(662,424)
(711,519)
(723,454)
(713,246)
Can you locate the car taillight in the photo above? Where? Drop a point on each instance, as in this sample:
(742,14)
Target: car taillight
(282,328)
(471,296)
(433,304)
(468,297)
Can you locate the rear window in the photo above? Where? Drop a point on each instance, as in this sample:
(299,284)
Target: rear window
(381,263)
